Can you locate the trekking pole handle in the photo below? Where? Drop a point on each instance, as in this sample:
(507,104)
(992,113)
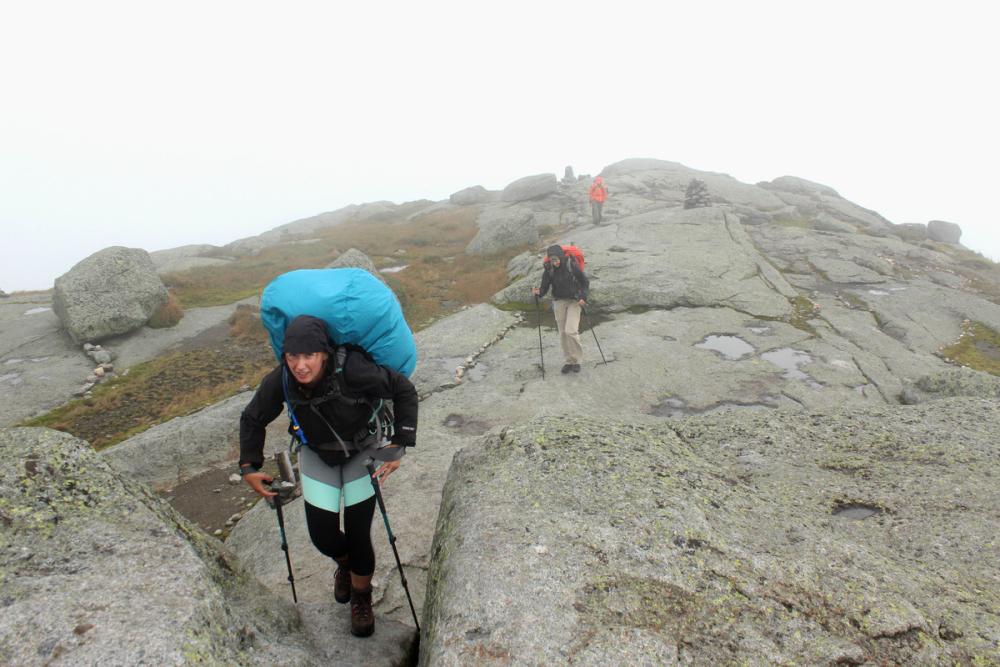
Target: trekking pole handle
(285,468)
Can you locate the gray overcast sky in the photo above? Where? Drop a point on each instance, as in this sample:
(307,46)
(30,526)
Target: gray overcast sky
(155,125)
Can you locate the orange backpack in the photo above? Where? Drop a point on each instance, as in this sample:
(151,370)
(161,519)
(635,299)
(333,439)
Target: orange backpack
(574,253)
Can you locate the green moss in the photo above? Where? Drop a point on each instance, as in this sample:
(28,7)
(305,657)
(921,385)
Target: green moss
(978,347)
(803,310)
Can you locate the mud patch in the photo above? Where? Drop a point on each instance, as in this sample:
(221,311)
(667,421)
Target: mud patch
(463,424)
(210,499)
(856,511)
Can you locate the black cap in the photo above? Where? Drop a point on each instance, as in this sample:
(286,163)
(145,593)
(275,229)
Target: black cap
(555,251)
(306,334)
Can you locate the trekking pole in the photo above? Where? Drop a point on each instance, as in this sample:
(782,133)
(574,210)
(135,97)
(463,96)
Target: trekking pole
(284,488)
(538,309)
(591,327)
(284,541)
(392,538)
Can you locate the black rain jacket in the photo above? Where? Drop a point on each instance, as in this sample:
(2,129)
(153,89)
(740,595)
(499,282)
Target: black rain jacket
(566,283)
(361,376)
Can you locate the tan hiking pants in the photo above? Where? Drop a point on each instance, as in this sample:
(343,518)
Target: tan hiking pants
(567,312)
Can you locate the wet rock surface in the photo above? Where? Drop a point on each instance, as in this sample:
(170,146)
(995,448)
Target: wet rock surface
(854,537)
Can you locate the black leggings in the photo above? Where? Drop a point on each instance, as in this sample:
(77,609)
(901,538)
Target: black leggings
(355,541)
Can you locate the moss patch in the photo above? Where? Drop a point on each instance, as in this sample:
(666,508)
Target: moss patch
(438,279)
(163,388)
(978,348)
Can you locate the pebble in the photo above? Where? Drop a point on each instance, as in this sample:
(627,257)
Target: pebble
(218,532)
(235,478)
(99,371)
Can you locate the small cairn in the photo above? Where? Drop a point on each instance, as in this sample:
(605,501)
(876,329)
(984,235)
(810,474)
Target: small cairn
(568,176)
(101,372)
(696,195)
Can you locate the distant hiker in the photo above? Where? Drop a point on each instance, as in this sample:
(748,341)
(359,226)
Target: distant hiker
(598,195)
(329,392)
(569,294)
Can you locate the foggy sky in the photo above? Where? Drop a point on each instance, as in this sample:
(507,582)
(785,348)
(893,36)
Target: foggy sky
(160,125)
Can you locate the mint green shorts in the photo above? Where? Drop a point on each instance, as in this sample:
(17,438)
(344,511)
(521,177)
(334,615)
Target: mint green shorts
(324,485)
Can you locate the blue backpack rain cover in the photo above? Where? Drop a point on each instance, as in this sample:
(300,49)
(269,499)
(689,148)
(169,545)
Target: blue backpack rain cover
(356,306)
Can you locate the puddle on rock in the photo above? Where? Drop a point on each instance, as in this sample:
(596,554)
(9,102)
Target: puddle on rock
(878,292)
(855,511)
(789,360)
(393,269)
(730,347)
(35,311)
(10,362)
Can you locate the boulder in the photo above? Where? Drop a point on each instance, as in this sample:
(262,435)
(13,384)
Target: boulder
(97,570)
(945,232)
(647,271)
(949,383)
(522,265)
(111,292)
(501,228)
(530,187)
(3,295)
(476,194)
(354,258)
(632,542)
(914,232)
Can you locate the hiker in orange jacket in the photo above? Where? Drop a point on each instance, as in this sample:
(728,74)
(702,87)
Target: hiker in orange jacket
(598,195)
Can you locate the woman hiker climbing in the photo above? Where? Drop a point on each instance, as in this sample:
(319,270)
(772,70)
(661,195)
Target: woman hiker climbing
(327,387)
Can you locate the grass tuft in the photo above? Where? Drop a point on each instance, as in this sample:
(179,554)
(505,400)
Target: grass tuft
(978,347)
(167,315)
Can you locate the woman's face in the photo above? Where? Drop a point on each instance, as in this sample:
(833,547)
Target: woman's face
(307,368)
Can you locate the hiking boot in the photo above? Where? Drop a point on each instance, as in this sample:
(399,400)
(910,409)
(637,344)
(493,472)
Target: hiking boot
(567,368)
(575,368)
(342,582)
(362,616)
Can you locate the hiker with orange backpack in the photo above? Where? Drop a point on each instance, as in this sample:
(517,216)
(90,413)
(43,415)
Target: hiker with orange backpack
(569,295)
(598,195)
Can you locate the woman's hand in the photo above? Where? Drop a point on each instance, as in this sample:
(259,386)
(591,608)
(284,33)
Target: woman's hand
(258,481)
(385,470)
